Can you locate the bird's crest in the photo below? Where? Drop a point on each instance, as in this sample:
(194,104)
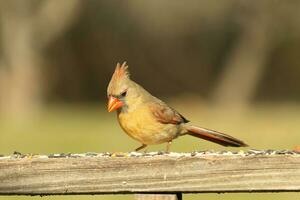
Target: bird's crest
(121,71)
(119,78)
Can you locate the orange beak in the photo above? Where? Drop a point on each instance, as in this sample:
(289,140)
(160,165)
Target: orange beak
(113,104)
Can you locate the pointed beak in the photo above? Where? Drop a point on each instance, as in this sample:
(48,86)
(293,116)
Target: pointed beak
(113,104)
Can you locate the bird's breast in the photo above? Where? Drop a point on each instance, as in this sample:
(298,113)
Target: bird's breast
(141,125)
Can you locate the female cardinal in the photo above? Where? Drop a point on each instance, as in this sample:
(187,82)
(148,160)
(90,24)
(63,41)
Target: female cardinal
(149,120)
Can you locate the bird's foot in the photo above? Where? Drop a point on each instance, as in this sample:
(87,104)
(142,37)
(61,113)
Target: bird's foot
(168,146)
(141,147)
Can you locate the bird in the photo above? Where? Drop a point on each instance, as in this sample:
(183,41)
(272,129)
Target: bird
(151,121)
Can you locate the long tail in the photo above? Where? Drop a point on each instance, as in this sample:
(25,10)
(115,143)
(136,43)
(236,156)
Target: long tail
(214,136)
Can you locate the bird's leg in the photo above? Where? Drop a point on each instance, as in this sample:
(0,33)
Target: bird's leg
(168,146)
(141,147)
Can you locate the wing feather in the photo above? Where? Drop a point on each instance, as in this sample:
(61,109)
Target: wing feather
(166,115)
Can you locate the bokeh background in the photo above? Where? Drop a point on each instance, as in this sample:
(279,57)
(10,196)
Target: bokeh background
(228,65)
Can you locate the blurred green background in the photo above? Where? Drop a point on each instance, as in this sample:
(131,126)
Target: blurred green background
(229,65)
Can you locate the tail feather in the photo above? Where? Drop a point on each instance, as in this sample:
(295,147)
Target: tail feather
(214,136)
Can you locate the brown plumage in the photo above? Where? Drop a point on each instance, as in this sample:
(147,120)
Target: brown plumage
(149,120)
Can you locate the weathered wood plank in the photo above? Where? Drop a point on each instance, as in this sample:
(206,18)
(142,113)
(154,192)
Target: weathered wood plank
(150,173)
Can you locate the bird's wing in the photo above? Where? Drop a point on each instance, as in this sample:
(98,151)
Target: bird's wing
(166,115)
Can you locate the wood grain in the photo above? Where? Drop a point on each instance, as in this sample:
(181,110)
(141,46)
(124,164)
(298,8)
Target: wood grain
(149,173)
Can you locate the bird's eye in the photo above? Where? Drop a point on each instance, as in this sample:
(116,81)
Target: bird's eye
(124,93)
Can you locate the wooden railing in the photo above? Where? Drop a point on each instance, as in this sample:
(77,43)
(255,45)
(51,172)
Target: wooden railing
(150,175)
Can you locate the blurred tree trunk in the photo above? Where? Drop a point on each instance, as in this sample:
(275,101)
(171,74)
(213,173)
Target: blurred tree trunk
(246,63)
(27,28)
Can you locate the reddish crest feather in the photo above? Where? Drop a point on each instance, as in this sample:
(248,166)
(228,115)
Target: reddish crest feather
(121,71)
